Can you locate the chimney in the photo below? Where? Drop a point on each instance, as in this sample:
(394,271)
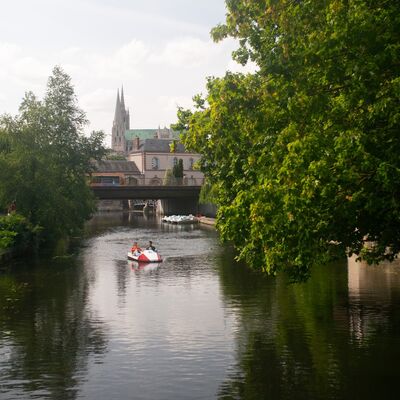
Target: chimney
(136,142)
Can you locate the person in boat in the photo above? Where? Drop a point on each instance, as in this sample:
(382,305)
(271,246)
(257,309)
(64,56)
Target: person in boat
(150,246)
(135,248)
(12,208)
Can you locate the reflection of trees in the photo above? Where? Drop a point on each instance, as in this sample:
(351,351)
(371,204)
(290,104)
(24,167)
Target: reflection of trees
(122,278)
(104,221)
(50,331)
(289,339)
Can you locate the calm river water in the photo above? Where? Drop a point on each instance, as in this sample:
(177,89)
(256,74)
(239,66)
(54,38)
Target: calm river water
(197,326)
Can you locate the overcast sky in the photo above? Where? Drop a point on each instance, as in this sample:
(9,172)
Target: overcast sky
(159,50)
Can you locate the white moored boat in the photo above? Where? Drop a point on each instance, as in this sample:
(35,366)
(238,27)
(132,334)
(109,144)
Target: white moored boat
(180,219)
(147,256)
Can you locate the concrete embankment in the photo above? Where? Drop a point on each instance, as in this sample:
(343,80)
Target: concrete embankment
(207,221)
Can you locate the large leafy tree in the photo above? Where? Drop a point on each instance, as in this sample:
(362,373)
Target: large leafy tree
(303,154)
(44,159)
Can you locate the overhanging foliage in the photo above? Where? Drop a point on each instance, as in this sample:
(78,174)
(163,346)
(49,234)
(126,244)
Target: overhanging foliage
(303,154)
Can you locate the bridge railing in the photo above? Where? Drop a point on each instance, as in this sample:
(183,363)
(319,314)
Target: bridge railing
(140,181)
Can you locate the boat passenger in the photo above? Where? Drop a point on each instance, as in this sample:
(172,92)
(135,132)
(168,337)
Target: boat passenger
(135,248)
(12,208)
(150,246)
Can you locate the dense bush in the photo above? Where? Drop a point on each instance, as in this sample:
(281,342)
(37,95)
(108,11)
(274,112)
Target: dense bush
(16,231)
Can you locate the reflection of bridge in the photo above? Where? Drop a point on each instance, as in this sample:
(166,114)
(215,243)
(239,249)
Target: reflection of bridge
(173,199)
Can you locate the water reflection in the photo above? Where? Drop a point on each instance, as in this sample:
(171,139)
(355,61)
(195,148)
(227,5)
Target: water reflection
(167,335)
(373,291)
(196,326)
(47,332)
(144,267)
(302,341)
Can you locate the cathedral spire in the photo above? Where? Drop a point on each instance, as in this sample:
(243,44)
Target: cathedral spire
(122,98)
(117,106)
(121,124)
(128,119)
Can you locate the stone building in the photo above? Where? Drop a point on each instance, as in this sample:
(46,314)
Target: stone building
(131,135)
(153,157)
(150,149)
(115,173)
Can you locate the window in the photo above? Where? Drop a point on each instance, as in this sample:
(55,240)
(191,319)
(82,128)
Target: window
(175,161)
(155,164)
(106,180)
(191,162)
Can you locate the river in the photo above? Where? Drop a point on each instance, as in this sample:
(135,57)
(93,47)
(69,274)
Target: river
(92,325)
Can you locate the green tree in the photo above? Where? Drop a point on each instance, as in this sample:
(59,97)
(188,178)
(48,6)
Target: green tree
(177,170)
(172,146)
(112,155)
(303,153)
(45,159)
(168,177)
(15,231)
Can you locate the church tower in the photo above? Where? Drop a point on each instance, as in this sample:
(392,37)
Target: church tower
(120,125)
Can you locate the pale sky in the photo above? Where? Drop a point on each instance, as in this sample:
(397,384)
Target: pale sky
(159,50)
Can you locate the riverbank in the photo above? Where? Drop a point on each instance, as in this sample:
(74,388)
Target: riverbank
(6,255)
(207,221)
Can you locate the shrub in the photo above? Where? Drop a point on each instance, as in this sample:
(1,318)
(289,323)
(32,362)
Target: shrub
(16,231)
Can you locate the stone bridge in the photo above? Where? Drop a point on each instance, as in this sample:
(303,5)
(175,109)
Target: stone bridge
(173,199)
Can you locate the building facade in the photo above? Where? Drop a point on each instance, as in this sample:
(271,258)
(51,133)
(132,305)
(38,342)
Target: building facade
(153,158)
(115,173)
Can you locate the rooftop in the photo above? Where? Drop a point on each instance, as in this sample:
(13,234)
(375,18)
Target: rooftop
(116,166)
(159,146)
(151,134)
